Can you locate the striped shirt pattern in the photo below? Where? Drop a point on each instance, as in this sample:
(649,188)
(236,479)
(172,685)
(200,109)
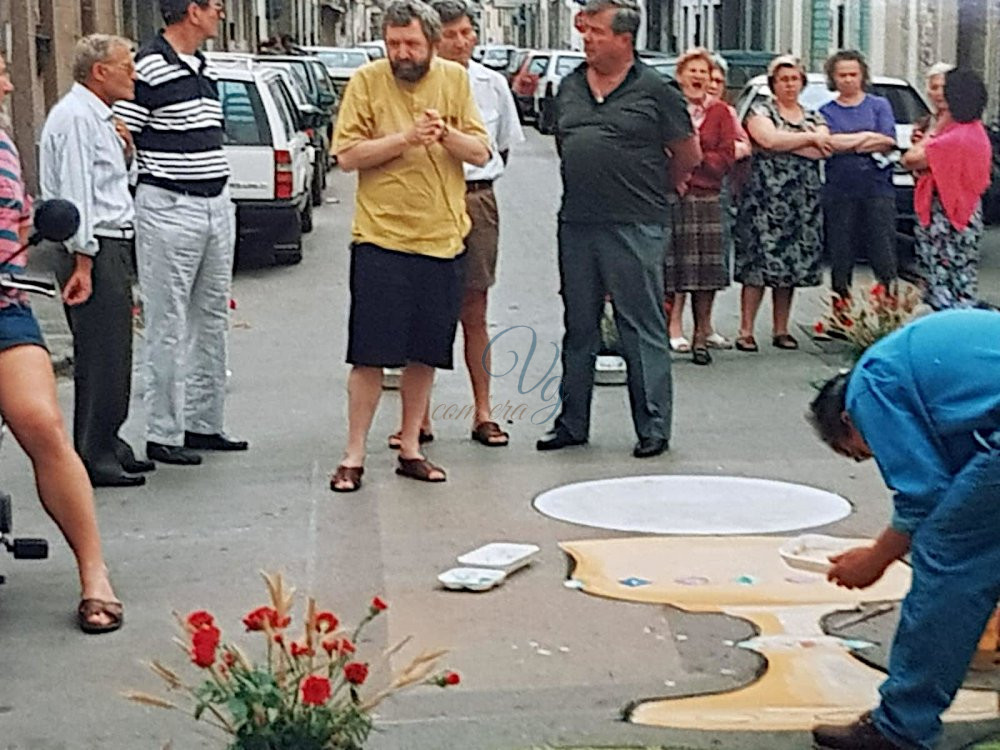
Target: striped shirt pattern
(176,120)
(15,217)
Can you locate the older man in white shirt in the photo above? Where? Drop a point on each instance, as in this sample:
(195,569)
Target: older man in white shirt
(85,157)
(499,114)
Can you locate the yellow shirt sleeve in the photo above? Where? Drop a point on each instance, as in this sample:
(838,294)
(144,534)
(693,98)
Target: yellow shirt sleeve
(355,121)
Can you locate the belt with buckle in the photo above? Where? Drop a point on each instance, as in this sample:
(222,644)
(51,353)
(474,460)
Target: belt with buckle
(472,186)
(111,233)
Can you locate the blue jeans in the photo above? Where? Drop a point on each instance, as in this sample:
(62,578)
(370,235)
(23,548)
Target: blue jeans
(955,555)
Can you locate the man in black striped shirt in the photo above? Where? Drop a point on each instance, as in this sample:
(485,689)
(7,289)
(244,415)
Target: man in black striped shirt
(185,234)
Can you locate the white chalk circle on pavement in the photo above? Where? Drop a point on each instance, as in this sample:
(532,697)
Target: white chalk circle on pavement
(693,505)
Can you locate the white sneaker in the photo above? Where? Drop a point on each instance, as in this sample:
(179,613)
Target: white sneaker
(718,341)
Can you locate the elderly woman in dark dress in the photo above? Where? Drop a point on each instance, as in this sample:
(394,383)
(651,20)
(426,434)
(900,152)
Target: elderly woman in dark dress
(779,232)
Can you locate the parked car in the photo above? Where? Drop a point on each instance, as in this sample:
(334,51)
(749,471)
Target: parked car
(495,56)
(311,122)
(269,158)
(375,49)
(908,106)
(312,76)
(340,62)
(547,88)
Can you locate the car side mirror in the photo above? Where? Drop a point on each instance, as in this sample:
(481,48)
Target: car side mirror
(327,99)
(310,116)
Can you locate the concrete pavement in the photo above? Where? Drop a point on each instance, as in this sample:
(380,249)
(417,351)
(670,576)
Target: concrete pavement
(195,538)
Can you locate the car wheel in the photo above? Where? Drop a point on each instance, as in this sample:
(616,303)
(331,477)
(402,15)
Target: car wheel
(316,189)
(307,218)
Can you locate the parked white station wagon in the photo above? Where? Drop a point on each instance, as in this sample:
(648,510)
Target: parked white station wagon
(270,160)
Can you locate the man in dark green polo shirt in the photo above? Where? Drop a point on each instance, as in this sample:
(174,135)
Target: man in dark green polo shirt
(626,143)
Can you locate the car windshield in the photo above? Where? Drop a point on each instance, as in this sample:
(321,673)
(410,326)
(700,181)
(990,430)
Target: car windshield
(907,105)
(245,123)
(538,65)
(495,55)
(565,65)
(343,58)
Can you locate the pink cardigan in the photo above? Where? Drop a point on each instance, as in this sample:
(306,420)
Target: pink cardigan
(959,157)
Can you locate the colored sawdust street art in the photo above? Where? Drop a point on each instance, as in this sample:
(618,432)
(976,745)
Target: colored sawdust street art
(808,676)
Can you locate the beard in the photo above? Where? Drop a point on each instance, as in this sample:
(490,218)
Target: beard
(410,71)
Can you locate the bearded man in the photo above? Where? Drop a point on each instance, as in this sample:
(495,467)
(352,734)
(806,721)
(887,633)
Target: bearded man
(407,124)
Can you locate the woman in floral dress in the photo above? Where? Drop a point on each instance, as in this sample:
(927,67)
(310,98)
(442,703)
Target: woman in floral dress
(779,232)
(953,166)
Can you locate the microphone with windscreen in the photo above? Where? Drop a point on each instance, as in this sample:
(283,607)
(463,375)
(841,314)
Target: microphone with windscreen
(56,220)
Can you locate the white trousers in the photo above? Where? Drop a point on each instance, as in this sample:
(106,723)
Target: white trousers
(184,253)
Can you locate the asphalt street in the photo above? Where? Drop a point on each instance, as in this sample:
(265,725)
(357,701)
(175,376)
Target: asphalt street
(197,537)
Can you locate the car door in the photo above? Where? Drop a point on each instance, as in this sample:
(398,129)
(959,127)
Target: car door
(247,140)
(296,141)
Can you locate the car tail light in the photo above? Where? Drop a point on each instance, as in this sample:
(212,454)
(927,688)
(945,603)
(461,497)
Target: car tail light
(283,177)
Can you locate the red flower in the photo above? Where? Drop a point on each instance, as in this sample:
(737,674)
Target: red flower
(279,638)
(839,303)
(326,622)
(878,290)
(203,645)
(232,304)
(848,322)
(356,672)
(819,327)
(315,690)
(301,650)
(200,619)
(255,620)
(229,658)
(452,678)
(378,605)
(338,646)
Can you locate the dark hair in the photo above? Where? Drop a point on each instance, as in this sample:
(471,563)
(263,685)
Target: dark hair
(174,11)
(846,55)
(405,12)
(452,10)
(826,410)
(966,95)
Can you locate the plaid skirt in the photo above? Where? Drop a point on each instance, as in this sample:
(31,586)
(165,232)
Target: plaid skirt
(696,261)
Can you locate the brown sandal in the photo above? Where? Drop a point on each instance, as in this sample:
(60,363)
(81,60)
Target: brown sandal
(91,607)
(396,438)
(785,341)
(350,474)
(419,468)
(487,433)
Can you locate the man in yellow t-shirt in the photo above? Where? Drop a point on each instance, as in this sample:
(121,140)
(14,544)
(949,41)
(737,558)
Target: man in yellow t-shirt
(407,124)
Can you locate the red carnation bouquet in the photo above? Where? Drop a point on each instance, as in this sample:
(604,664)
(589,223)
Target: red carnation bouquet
(307,693)
(866,316)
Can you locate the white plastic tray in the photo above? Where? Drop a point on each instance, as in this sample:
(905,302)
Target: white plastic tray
(812,552)
(506,556)
(471,579)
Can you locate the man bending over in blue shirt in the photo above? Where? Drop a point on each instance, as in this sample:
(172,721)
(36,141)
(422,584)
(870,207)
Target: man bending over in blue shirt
(924,402)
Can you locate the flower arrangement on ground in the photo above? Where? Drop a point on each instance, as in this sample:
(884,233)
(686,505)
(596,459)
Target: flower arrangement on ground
(863,318)
(305,695)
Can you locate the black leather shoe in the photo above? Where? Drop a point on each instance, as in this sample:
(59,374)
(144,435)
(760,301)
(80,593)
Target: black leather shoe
(861,735)
(136,466)
(216,442)
(116,480)
(556,440)
(126,458)
(172,454)
(649,447)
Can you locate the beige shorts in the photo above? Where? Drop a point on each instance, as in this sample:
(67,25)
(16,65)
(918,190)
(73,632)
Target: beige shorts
(481,242)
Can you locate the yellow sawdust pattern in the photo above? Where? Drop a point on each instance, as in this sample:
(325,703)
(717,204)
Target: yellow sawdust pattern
(810,677)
